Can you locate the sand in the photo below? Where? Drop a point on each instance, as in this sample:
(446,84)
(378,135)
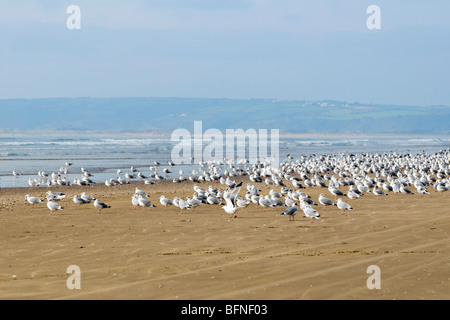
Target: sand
(163,254)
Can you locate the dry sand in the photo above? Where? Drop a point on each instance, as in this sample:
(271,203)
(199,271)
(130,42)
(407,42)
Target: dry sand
(206,254)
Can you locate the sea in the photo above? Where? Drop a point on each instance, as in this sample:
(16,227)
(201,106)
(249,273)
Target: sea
(103,155)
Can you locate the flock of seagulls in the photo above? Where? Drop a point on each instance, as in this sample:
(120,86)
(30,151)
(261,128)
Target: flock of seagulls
(344,178)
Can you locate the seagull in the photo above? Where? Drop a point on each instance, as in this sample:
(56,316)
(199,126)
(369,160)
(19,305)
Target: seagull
(309,211)
(33,200)
(343,205)
(325,201)
(422,190)
(109,183)
(212,199)
(79,200)
(289,201)
(291,212)
(378,192)
(122,180)
(230,200)
(100,205)
(405,190)
(362,188)
(183,205)
(53,206)
(242,203)
(335,191)
(141,175)
(193,202)
(16,174)
(266,202)
(165,201)
(32,183)
(135,201)
(352,195)
(141,192)
(144,202)
(129,176)
(55,196)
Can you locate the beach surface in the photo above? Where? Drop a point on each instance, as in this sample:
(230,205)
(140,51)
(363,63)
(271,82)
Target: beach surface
(158,253)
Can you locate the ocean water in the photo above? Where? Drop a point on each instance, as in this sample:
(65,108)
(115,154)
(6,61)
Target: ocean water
(103,156)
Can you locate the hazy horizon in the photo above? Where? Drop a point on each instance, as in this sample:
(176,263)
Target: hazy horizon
(290,50)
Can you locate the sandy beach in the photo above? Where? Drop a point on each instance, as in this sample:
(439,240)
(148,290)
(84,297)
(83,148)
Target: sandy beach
(157,253)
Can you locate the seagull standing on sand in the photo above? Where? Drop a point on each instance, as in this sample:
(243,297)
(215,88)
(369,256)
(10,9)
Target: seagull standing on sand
(378,192)
(100,205)
(53,206)
(144,202)
(309,211)
(183,205)
(193,202)
(79,200)
(405,190)
(325,201)
(165,201)
(291,212)
(33,200)
(266,202)
(87,197)
(335,191)
(343,205)
(135,201)
(212,199)
(242,203)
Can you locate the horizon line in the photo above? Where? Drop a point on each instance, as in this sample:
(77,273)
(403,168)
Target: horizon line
(227,98)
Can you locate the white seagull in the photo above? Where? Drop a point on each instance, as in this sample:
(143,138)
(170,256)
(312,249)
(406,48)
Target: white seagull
(100,205)
(33,200)
(241,202)
(378,192)
(53,206)
(310,212)
(165,201)
(325,201)
(135,201)
(230,200)
(183,205)
(141,192)
(79,200)
(144,202)
(343,205)
(87,197)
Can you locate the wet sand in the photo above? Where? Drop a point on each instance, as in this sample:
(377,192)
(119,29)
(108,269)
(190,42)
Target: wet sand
(157,253)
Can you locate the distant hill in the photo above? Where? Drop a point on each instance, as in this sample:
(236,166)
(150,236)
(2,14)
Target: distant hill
(163,115)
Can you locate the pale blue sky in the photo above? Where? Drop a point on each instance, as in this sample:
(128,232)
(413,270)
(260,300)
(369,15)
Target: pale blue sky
(285,49)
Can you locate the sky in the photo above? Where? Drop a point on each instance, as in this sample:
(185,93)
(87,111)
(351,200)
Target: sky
(237,49)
